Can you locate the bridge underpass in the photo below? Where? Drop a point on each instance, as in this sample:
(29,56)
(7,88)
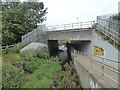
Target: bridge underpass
(80,45)
(90,44)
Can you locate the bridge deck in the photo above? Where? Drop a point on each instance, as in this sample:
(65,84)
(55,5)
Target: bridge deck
(103,74)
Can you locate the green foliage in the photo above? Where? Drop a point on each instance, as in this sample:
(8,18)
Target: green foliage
(11,57)
(42,53)
(63,42)
(9,4)
(116,17)
(30,67)
(20,18)
(26,70)
(43,76)
(35,54)
(12,76)
(34,69)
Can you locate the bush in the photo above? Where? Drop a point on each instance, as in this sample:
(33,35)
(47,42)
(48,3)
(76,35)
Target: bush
(43,76)
(12,77)
(12,57)
(42,53)
(31,55)
(30,67)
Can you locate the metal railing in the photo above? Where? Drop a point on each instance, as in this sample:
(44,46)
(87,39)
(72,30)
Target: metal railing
(101,64)
(103,59)
(33,35)
(110,27)
(70,26)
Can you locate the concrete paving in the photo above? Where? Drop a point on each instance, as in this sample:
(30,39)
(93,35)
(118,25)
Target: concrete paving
(33,45)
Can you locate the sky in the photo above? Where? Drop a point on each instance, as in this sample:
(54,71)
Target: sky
(72,11)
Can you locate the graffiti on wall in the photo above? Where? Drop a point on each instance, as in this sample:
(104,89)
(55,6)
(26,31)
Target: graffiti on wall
(98,51)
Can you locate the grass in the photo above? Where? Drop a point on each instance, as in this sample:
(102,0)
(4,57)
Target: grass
(31,69)
(34,69)
(43,76)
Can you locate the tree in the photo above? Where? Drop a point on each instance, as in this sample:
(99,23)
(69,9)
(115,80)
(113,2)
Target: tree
(116,17)
(35,11)
(20,18)
(9,5)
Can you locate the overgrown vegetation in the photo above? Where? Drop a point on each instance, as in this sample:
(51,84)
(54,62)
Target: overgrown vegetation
(31,69)
(34,69)
(68,79)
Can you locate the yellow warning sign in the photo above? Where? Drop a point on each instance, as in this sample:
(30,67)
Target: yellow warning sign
(98,51)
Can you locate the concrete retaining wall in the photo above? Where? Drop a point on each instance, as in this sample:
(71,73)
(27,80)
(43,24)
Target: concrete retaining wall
(109,51)
(86,79)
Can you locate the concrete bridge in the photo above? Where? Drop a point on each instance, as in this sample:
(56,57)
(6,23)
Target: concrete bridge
(90,41)
(73,31)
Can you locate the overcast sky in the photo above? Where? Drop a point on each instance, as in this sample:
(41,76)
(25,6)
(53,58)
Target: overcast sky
(67,11)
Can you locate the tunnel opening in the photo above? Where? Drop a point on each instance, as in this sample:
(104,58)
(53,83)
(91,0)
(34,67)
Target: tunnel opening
(62,52)
(81,46)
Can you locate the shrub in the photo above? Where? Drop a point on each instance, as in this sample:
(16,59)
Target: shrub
(42,53)
(12,57)
(30,67)
(12,77)
(43,76)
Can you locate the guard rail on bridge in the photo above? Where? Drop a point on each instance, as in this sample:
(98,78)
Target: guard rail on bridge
(71,26)
(107,73)
(110,27)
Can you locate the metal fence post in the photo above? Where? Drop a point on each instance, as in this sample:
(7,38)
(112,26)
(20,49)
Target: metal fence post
(81,25)
(64,27)
(72,30)
(102,66)
(91,63)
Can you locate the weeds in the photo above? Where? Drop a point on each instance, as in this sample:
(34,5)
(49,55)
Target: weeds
(34,69)
(29,69)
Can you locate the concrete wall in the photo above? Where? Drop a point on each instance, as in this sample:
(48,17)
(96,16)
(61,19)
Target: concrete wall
(71,35)
(43,39)
(110,52)
(87,80)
